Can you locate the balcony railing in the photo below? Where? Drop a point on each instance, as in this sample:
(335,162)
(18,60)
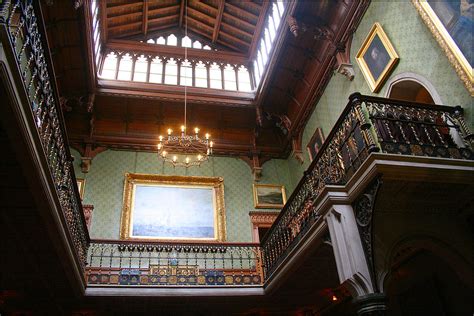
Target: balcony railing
(367,124)
(22,26)
(173,264)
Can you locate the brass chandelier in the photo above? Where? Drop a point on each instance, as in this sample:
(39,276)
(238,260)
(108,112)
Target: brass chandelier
(185,150)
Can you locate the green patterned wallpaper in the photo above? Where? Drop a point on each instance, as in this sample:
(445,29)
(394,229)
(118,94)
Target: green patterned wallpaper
(104,187)
(419,53)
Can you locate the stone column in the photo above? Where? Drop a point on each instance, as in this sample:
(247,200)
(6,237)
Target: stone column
(351,261)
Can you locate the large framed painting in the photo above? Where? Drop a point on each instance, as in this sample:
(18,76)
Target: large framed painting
(269,196)
(315,143)
(376,57)
(452,25)
(157,207)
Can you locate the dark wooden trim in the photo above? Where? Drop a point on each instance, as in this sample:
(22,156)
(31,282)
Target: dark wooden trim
(145,18)
(257,34)
(103,17)
(181,13)
(217,25)
(246,13)
(172,51)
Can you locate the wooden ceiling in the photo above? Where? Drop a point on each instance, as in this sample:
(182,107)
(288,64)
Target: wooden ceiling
(233,25)
(261,125)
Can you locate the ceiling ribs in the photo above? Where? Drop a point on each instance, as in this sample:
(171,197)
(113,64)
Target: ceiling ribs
(217,26)
(258,29)
(244,12)
(145,17)
(103,13)
(181,13)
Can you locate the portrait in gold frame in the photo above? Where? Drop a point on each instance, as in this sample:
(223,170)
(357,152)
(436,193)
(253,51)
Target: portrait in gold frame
(451,34)
(180,183)
(269,196)
(376,57)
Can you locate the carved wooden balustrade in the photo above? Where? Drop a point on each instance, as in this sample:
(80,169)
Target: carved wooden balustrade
(173,264)
(21,25)
(367,124)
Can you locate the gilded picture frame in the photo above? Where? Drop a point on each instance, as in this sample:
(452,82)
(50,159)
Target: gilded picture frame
(173,208)
(449,23)
(269,196)
(377,57)
(81,184)
(315,143)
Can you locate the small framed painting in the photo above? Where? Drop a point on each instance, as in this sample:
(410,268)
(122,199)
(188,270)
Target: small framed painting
(269,196)
(315,143)
(81,183)
(376,57)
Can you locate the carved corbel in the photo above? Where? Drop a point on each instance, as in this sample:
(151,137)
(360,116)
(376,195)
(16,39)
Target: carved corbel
(87,154)
(255,163)
(77,3)
(343,65)
(364,210)
(293,25)
(296,150)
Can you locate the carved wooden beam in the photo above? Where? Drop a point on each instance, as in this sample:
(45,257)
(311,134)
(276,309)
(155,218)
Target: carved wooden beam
(217,25)
(343,60)
(181,13)
(296,147)
(145,17)
(103,16)
(88,153)
(258,29)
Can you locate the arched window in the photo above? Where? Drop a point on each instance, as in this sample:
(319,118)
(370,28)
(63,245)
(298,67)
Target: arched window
(156,70)
(161,40)
(215,75)
(244,79)
(281,7)
(206,47)
(186,73)
(197,45)
(150,41)
(125,68)
(256,69)
(186,42)
(172,40)
(141,69)
(229,78)
(110,66)
(201,75)
(171,72)
(272,28)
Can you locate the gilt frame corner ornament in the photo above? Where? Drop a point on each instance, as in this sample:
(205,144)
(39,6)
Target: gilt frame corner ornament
(81,183)
(376,57)
(446,41)
(262,200)
(134,180)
